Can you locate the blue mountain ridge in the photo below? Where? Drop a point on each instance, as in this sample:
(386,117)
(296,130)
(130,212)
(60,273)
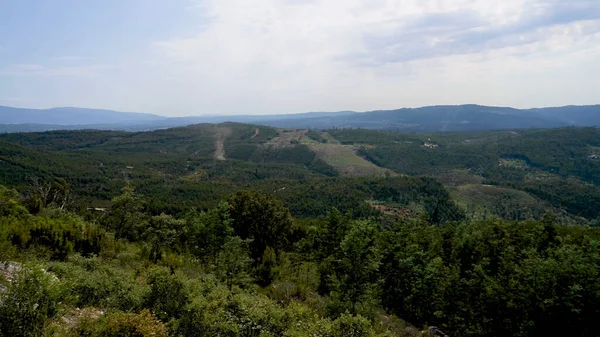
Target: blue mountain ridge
(424,119)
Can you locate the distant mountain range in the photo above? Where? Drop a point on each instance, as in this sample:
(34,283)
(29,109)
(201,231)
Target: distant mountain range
(71,116)
(425,119)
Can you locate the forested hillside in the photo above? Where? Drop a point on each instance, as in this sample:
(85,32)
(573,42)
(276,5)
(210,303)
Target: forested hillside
(467,117)
(516,174)
(244,230)
(558,166)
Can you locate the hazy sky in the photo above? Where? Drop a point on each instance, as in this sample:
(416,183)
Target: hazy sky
(186,57)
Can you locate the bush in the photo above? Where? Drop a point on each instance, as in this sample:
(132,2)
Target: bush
(167,296)
(57,233)
(30,300)
(352,326)
(10,203)
(92,282)
(120,324)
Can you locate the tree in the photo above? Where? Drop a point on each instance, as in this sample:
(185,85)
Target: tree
(209,231)
(43,194)
(125,215)
(333,230)
(266,269)
(261,218)
(10,203)
(233,263)
(354,277)
(163,231)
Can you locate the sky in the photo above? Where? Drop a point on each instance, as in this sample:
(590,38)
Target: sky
(207,57)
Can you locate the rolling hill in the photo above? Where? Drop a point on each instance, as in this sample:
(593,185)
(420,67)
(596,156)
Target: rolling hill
(446,222)
(425,119)
(72,116)
(512,174)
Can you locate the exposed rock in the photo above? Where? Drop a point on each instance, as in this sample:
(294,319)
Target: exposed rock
(435,332)
(9,270)
(73,317)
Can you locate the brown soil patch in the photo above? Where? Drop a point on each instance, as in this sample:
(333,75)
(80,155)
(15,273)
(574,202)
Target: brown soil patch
(220,135)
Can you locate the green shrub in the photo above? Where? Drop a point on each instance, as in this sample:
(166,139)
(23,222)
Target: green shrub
(10,203)
(352,326)
(30,300)
(167,296)
(206,317)
(57,232)
(120,324)
(93,282)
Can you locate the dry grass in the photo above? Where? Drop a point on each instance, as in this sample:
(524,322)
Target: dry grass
(345,160)
(287,138)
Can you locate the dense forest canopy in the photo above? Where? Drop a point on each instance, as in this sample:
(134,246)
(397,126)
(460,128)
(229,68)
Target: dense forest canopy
(243,230)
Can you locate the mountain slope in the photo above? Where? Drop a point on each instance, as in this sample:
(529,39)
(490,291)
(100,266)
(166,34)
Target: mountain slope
(587,115)
(534,170)
(441,118)
(71,116)
(426,119)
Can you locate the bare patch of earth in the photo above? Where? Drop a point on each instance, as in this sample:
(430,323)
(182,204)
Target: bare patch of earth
(221,135)
(287,138)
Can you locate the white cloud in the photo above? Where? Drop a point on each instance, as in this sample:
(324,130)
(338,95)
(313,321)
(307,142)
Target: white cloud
(280,56)
(12,100)
(36,70)
(291,55)
(69,58)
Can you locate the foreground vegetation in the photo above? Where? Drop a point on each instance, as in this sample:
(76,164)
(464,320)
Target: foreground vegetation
(248,268)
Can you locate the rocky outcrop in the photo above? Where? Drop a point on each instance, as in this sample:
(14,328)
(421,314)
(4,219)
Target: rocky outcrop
(434,331)
(73,317)
(8,272)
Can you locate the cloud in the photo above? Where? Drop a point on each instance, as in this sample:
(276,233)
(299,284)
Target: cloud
(385,31)
(280,54)
(12,100)
(467,31)
(71,58)
(28,67)
(39,70)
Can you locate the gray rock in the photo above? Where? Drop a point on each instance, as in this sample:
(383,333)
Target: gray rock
(9,270)
(434,331)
